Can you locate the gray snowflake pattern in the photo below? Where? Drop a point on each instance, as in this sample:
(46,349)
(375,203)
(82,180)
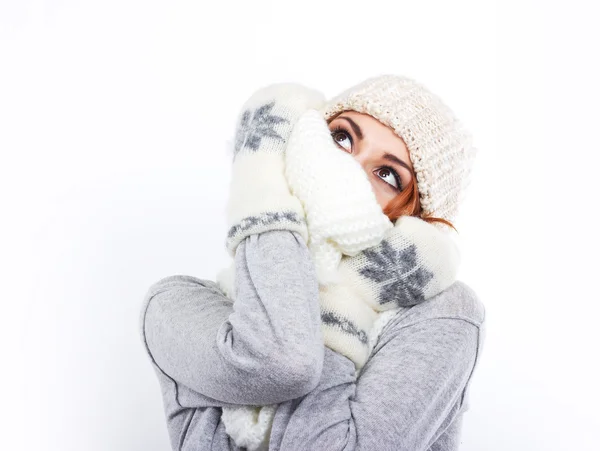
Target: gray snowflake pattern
(401,279)
(263,220)
(255,125)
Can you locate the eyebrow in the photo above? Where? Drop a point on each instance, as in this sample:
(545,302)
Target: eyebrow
(388,156)
(355,127)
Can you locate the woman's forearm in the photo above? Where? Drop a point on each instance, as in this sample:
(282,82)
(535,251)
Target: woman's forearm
(409,393)
(263,349)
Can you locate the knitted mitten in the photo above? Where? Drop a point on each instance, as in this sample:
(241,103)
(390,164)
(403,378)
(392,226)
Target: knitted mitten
(259,196)
(342,212)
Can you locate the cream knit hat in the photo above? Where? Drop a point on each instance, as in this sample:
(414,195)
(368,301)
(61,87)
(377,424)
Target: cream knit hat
(440,148)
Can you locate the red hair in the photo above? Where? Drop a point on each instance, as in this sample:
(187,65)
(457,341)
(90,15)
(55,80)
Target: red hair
(407,203)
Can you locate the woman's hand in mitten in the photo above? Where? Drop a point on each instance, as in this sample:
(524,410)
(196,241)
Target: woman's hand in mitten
(414,262)
(342,212)
(259,197)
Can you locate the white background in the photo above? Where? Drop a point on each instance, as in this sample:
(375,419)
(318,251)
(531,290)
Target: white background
(114,121)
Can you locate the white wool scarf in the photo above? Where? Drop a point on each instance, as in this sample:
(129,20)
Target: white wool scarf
(368,267)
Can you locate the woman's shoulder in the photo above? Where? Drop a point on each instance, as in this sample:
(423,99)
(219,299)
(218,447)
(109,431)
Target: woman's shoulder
(458,301)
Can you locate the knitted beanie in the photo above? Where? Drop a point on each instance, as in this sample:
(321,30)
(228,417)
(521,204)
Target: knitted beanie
(439,147)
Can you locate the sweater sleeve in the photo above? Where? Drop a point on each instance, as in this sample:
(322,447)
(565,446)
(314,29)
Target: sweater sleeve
(407,396)
(265,348)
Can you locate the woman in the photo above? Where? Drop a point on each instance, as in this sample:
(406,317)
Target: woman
(408,390)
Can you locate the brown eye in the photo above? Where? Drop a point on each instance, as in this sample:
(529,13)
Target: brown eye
(339,135)
(336,135)
(387,171)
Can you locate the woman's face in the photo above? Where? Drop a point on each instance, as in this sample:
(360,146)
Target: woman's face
(382,154)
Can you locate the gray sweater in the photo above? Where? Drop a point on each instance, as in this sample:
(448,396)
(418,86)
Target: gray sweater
(208,352)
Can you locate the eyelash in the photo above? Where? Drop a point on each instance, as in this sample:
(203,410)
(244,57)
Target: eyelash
(338,129)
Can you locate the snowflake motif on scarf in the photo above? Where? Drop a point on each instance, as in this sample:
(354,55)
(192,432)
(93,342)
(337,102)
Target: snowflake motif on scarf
(402,278)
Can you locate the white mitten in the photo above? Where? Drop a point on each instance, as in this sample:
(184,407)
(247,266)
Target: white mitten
(259,196)
(342,212)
